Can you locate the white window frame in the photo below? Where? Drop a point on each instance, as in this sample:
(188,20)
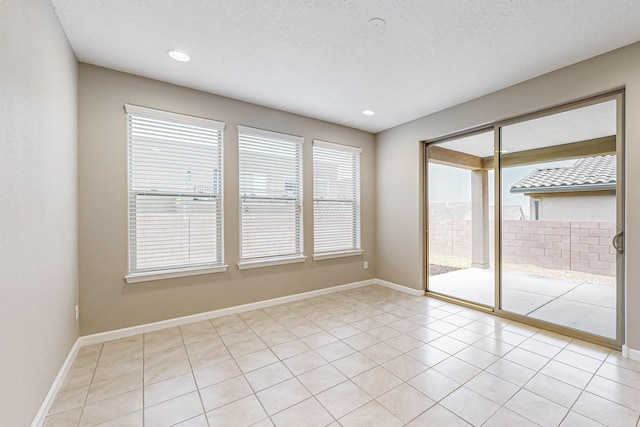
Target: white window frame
(140,274)
(261,144)
(346,156)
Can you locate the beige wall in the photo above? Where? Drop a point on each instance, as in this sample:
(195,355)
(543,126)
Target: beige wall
(399,212)
(578,206)
(400,203)
(38,205)
(106,301)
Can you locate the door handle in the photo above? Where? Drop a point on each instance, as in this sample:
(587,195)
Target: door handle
(617,242)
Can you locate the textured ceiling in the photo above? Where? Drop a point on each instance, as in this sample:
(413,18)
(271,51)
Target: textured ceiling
(319,58)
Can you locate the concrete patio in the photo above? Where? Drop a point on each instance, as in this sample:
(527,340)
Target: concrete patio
(578,304)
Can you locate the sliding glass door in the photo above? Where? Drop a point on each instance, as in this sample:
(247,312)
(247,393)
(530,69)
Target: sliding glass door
(559,264)
(555,258)
(460,219)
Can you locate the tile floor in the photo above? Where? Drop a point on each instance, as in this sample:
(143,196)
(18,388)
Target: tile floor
(369,356)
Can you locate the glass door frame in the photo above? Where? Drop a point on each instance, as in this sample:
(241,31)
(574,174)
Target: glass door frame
(436,142)
(496,127)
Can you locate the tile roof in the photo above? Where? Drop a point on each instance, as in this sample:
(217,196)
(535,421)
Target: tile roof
(590,172)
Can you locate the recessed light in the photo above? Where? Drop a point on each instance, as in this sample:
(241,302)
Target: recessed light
(179,56)
(376,23)
(368,112)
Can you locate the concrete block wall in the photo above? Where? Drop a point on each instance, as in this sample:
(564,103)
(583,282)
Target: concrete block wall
(583,246)
(542,243)
(450,237)
(591,248)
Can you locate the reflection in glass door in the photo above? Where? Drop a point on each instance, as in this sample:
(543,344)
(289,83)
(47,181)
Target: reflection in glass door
(460,218)
(558,262)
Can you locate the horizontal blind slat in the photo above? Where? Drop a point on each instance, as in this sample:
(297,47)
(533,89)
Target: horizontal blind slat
(270,168)
(170,155)
(336,213)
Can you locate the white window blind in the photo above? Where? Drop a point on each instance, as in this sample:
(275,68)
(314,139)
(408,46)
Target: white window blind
(336,198)
(175,191)
(270,194)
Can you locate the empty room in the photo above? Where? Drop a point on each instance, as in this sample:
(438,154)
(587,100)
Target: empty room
(319,213)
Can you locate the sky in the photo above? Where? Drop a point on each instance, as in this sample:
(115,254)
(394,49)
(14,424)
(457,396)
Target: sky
(450,184)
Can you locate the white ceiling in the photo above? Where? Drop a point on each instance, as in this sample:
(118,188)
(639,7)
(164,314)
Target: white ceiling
(319,58)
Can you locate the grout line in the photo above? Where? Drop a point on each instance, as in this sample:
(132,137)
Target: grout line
(374,304)
(84,403)
(195,383)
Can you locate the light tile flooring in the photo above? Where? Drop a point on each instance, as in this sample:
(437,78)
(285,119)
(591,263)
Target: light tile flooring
(369,356)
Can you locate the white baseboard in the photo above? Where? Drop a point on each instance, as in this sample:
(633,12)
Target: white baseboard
(630,353)
(400,288)
(178,321)
(155,326)
(39,419)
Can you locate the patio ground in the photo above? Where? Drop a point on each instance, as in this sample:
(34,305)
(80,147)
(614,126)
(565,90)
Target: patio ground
(583,304)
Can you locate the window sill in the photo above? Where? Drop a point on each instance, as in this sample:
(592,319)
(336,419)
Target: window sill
(170,274)
(268,262)
(331,255)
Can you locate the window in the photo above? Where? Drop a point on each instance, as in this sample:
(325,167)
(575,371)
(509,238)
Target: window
(270,197)
(175,194)
(536,209)
(336,200)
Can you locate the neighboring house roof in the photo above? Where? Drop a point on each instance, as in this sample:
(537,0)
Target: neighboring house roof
(462,210)
(509,212)
(590,173)
(450,210)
